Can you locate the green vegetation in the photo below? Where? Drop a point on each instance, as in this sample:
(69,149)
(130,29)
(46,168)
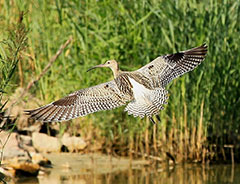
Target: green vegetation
(10,55)
(203,111)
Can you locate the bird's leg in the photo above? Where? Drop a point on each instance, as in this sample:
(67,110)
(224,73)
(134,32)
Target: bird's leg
(151,119)
(158,118)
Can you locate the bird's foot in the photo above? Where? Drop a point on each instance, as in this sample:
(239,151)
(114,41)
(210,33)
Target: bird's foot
(151,119)
(158,118)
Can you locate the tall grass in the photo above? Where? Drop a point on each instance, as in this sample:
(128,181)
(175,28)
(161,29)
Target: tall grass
(11,48)
(203,105)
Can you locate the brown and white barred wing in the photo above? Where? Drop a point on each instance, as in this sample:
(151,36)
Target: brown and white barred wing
(165,68)
(80,103)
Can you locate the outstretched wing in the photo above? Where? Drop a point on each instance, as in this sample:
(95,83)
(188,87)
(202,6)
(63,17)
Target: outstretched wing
(80,103)
(165,68)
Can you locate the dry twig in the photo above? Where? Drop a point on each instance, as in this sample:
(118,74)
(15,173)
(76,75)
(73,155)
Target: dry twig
(30,84)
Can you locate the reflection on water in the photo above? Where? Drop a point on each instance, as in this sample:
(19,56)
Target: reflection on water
(135,174)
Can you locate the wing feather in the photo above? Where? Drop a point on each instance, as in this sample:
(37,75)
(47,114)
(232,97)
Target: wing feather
(80,103)
(164,69)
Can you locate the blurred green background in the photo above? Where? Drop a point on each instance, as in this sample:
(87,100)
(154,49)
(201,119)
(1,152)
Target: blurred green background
(202,115)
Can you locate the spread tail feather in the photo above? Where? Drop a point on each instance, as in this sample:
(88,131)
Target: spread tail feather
(149,106)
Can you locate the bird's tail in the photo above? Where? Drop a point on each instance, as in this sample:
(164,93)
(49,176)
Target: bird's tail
(149,106)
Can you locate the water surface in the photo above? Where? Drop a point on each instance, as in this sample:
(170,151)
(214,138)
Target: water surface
(98,169)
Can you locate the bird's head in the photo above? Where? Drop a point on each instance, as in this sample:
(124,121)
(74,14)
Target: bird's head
(110,63)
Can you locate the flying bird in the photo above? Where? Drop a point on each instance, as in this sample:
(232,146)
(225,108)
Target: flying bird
(143,90)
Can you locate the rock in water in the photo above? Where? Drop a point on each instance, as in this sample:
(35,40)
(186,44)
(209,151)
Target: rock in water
(45,143)
(24,167)
(10,145)
(38,158)
(73,143)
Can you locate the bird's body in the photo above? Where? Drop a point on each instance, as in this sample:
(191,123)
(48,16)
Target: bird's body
(143,89)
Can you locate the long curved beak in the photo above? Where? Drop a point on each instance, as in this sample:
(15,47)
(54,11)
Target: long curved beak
(97,66)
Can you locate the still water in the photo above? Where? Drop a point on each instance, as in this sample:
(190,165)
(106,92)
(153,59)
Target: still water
(95,169)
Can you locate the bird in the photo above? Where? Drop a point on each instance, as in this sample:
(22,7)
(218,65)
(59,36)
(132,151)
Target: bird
(143,91)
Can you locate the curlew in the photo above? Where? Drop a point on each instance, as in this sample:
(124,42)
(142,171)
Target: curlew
(143,90)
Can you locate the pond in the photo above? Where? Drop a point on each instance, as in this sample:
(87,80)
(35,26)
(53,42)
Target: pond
(99,169)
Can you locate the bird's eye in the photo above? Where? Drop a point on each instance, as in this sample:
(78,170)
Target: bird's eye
(108,62)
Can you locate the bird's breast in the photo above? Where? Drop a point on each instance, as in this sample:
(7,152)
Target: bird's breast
(140,91)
